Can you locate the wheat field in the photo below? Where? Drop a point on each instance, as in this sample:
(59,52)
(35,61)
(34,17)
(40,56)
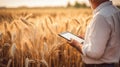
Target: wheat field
(29,37)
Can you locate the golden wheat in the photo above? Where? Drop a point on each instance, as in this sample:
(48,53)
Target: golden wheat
(29,38)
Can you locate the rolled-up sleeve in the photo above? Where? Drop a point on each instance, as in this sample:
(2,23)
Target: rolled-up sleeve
(97,38)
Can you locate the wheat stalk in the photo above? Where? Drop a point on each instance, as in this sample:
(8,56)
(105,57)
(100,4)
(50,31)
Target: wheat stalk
(28,16)
(1,35)
(44,62)
(9,62)
(13,49)
(28,61)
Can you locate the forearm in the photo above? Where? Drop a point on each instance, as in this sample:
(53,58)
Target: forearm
(79,48)
(76,45)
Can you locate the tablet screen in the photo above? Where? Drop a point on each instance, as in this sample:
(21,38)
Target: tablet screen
(68,36)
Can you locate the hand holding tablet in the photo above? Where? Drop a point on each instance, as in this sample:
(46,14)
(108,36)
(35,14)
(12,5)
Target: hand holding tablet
(69,36)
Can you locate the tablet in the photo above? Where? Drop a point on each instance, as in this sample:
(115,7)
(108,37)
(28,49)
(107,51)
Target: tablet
(68,36)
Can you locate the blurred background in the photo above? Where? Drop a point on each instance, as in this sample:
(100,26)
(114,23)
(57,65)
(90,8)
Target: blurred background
(45,3)
(29,32)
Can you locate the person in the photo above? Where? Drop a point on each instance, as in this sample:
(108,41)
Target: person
(102,38)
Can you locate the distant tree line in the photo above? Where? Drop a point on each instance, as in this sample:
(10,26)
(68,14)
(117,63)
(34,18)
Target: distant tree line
(77,5)
(81,5)
(2,7)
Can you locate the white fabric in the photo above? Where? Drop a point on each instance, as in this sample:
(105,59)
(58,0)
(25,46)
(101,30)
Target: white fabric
(102,38)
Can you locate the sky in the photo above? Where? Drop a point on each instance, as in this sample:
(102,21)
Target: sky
(40,3)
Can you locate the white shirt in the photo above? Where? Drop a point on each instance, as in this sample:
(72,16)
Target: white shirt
(102,38)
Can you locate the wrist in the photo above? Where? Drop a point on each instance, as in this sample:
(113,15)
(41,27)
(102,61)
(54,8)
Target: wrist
(79,48)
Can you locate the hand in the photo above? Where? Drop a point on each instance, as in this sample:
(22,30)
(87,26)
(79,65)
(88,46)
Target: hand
(76,45)
(73,43)
(81,36)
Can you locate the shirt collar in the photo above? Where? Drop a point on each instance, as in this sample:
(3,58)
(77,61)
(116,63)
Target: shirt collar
(102,5)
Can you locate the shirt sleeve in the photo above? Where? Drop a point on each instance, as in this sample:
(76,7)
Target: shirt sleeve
(97,38)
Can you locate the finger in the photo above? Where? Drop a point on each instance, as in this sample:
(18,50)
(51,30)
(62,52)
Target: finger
(70,41)
(80,36)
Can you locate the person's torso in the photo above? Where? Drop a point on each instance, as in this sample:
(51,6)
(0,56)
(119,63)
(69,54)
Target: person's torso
(112,54)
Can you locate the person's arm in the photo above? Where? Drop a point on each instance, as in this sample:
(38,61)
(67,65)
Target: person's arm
(97,39)
(76,45)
